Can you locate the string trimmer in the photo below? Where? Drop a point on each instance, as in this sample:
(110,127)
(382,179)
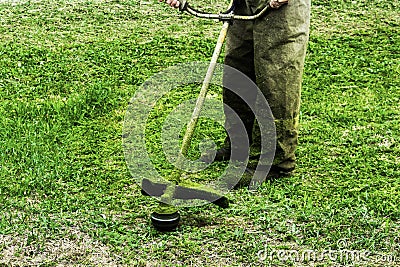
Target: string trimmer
(166,216)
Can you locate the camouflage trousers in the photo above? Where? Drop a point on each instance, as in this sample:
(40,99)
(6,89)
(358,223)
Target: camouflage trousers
(271,52)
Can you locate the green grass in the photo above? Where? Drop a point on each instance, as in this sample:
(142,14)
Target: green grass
(67,72)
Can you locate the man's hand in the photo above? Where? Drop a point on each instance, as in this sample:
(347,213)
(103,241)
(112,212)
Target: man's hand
(278,3)
(172,3)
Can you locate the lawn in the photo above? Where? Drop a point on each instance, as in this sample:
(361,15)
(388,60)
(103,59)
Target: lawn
(67,72)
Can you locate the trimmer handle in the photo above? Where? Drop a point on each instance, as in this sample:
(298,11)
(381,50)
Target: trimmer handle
(229,15)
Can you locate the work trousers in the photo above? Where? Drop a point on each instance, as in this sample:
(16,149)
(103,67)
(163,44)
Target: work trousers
(270,51)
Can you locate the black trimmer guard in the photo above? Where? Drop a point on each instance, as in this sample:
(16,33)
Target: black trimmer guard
(185,191)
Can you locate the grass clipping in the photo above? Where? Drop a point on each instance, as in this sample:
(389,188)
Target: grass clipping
(76,247)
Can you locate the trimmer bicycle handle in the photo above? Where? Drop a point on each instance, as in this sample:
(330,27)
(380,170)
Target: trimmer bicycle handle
(229,15)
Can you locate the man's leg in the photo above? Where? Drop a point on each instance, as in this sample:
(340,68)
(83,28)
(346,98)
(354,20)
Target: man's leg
(280,41)
(239,54)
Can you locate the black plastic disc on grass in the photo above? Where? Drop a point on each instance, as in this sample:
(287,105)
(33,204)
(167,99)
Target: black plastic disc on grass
(165,222)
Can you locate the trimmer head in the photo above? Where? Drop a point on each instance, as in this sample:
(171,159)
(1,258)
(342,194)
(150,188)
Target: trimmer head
(165,222)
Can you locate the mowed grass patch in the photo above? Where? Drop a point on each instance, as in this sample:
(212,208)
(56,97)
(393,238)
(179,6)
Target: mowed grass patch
(67,72)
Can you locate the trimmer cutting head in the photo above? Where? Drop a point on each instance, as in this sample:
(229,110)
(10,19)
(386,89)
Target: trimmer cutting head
(165,222)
